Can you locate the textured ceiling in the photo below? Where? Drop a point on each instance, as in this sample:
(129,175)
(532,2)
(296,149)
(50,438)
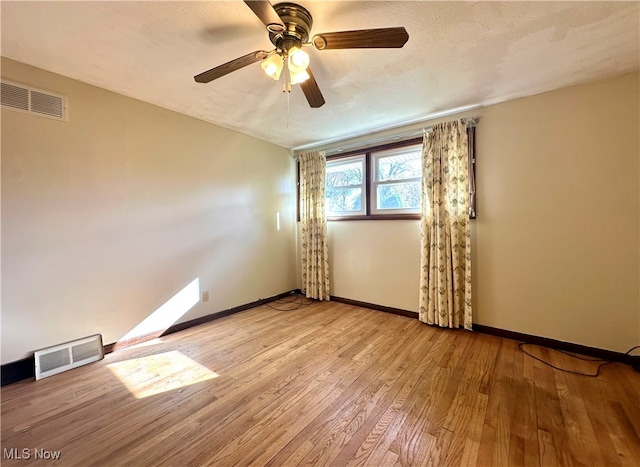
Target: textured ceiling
(459,54)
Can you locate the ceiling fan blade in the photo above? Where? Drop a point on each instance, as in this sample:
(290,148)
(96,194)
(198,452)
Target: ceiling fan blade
(363,39)
(233,65)
(312,91)
(267,14)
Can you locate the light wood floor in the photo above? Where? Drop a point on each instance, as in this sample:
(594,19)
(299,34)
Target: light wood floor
(327,384)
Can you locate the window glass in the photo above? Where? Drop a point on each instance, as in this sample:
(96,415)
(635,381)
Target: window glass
(344,200)
(400,166)
(396,184)
(398,195)
(345,186)
(344,173)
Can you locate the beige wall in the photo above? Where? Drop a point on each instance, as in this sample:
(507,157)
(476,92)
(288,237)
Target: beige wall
(107,216)
(556,243)
(375,261)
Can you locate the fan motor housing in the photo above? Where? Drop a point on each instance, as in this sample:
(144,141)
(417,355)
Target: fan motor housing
(297,21)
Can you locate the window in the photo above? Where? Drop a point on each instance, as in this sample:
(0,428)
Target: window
(397,175)
(345,193)
(382,182)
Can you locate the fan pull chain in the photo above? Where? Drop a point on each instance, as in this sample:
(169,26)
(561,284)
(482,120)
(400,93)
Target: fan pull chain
(286,87)
(288,112)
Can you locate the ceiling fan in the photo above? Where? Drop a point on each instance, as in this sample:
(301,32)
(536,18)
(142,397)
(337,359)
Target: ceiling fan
(289,27)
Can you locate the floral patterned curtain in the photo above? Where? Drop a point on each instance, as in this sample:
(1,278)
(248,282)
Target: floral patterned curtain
(445,280)
(314,245)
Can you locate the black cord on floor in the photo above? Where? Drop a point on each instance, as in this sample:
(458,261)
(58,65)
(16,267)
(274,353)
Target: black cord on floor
(297,300)
(579,357)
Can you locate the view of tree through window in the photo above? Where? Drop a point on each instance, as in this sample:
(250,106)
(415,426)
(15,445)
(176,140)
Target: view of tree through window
(345,186)
(397,180)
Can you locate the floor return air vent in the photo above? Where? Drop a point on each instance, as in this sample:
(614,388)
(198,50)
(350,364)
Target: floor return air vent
(63,357)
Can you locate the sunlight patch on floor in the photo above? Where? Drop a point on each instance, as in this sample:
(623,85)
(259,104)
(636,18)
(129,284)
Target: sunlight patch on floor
(155,374)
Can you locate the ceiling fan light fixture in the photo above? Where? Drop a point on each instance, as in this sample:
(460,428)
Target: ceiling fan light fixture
(299,77)
(272,66)
(289,27)
(298,60)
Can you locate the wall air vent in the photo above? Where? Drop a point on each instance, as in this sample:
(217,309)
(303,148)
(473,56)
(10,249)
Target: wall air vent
(63,357)
(34,101)
(15,97)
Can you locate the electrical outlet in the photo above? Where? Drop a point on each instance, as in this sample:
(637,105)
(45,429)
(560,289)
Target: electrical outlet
(205,296)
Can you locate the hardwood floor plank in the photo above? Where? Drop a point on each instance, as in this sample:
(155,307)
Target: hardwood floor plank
(549,416)
(300,454)
(487,446)
(390,458)
(326,384)
(547,449)
(628,452)
(474,434)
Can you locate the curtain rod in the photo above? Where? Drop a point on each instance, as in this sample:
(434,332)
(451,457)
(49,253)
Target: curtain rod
(471,121)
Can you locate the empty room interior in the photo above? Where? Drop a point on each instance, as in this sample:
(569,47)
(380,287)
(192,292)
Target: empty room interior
(424,252)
